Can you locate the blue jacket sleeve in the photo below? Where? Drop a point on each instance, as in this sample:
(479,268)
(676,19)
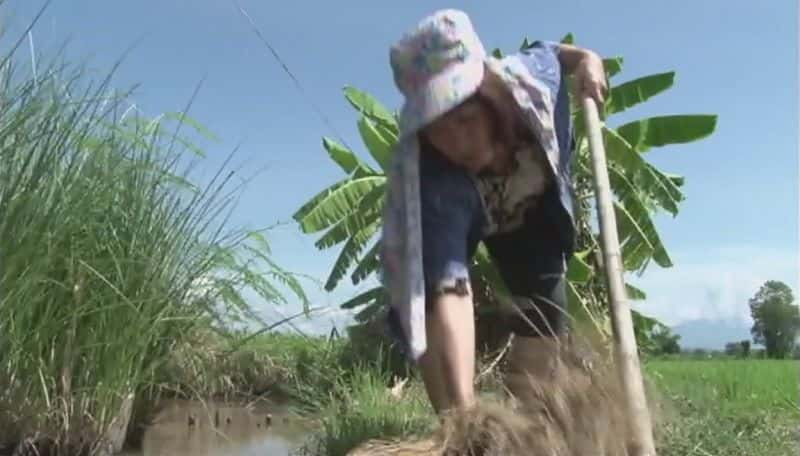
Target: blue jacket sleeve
(542,60)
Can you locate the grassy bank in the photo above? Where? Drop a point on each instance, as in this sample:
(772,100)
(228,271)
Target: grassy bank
(113,259)
(121,276)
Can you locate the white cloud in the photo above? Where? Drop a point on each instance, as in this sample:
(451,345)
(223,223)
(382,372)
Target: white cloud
(713,284)
(325,314)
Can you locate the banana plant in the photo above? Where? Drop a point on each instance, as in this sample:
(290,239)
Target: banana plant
(348,213)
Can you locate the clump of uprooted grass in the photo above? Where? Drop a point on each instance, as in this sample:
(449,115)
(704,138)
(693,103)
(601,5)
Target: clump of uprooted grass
(103,243)
(577,409)
(574,412)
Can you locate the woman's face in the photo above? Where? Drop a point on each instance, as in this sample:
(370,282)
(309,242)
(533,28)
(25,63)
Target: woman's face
(480,132)
(465,136)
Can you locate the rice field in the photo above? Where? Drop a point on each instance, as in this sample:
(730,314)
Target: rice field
(733,385)
(726,407)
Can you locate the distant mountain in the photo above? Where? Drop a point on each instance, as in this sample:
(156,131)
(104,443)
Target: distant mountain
(711,334)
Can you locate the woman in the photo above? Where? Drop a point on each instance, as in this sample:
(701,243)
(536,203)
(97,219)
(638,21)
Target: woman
(484,156)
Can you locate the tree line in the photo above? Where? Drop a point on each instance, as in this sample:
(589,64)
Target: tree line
(776,328)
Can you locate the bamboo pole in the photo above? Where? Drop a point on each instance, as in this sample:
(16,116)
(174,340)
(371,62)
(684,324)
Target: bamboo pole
(622,322)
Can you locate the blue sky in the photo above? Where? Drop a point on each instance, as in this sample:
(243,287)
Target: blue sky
(734,58)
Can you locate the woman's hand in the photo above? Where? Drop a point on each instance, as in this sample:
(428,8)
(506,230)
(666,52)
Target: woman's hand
(587,68)
(590,79)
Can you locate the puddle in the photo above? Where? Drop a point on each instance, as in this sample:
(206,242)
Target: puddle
(184,428)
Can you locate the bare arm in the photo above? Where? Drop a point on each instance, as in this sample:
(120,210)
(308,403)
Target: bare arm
(571,56)
(587,67)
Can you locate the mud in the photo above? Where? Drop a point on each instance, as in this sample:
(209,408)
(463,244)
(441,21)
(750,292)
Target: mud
(184,428)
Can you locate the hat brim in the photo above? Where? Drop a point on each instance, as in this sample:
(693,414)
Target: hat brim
(441,95)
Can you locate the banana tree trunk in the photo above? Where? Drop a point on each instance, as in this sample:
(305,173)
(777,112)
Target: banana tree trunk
(622,321)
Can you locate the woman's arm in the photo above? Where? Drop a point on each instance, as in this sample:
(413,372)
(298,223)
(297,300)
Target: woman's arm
(571,56)
(587,68)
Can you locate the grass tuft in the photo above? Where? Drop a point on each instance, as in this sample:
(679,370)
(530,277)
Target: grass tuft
(362,408)
(112,257)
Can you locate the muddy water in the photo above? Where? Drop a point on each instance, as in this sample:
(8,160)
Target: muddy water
(183,428)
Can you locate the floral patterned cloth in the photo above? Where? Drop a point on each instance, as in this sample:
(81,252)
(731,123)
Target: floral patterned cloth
(507,198)
(436,66)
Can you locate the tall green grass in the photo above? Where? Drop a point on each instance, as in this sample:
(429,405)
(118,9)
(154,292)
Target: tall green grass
(111,259)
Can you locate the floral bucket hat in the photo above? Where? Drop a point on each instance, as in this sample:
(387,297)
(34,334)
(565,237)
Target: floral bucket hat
(437,66)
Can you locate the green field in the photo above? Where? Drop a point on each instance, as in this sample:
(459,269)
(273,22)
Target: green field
(727,407)
(733,385)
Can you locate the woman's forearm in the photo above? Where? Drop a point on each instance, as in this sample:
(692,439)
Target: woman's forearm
(571,56)
(588,70)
